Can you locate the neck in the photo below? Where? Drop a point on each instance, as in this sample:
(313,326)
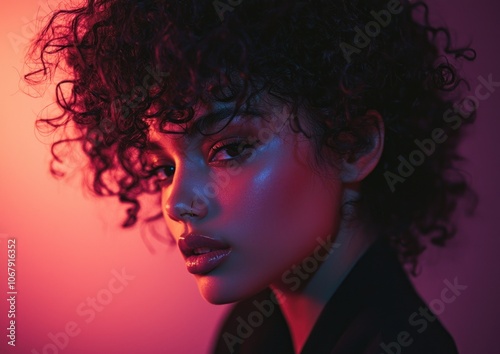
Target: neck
(301,305)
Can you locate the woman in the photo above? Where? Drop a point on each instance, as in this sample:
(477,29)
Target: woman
(297,150)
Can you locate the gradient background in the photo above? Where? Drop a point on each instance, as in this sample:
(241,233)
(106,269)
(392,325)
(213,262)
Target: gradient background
(68,244)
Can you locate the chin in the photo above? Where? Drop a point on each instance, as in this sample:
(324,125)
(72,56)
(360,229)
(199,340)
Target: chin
(219,291)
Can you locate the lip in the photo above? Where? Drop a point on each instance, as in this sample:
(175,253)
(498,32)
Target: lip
(202,253)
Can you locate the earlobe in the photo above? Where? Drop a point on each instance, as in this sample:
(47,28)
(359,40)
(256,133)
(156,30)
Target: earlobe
(360,164)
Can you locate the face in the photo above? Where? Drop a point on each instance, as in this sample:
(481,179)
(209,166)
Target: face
(252,195)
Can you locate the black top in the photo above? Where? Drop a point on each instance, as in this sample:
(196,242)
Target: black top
(375,310)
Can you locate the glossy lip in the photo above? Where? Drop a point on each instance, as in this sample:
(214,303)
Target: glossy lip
(202,253)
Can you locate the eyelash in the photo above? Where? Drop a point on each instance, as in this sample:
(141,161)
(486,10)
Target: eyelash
(240,144)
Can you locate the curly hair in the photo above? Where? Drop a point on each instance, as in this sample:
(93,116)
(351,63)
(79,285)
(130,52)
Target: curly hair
(334,60)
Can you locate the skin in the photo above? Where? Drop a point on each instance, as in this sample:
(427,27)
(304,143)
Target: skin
(274,211)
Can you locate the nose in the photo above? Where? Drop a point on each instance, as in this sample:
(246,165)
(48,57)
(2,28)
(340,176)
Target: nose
(182,198)
(181,211)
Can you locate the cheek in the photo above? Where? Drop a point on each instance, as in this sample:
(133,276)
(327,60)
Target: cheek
(280,209)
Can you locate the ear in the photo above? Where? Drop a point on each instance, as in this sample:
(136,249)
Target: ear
(357,166)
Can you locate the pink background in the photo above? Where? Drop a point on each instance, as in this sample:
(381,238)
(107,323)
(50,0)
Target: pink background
(68,244)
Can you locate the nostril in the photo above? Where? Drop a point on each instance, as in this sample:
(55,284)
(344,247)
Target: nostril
(171,213)
(190,211)
(182,211)
(193,210)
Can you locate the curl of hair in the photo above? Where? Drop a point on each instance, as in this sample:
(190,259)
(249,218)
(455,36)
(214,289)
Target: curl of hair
(122,58)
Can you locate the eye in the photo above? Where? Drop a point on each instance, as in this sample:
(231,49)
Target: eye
(232,149)
(162,173)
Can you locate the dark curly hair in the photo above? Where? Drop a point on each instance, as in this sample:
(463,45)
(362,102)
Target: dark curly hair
(334,59)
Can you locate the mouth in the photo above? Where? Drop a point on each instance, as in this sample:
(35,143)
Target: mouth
(202,253)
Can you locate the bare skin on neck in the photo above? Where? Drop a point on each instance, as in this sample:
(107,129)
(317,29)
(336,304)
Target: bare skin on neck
(302,306)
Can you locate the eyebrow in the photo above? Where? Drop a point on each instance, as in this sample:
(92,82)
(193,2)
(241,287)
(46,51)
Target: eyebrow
(210,120)
(206,122)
